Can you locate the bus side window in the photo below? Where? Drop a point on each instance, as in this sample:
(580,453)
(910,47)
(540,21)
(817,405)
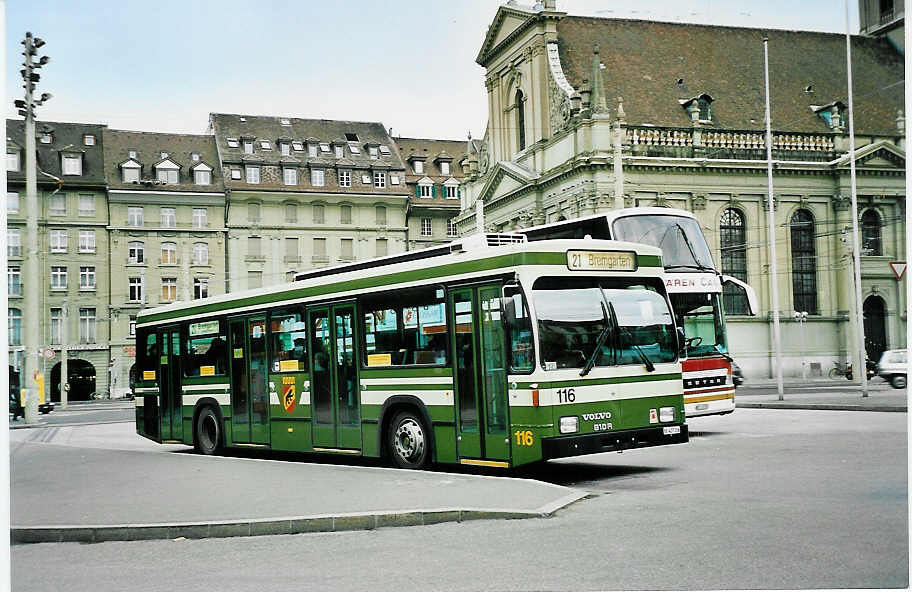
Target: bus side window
(207,354)
(518,327)
(288,340)
(147,356)
(405,329)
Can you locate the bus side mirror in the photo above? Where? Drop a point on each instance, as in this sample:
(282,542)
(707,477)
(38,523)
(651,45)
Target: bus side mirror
(682,342)
(508,303)
(753,306)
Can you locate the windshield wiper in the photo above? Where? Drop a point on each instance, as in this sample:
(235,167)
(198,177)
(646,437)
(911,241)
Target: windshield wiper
(590,362)
(690,248)
(722,353)
(646,361)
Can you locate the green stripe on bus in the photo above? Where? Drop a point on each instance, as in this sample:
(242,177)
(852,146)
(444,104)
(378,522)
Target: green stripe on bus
(220,379)
(489,264)
(408,387)
(405,373)
(598,381)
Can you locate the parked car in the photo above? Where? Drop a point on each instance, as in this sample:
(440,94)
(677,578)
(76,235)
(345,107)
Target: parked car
(737,375)
(893,366)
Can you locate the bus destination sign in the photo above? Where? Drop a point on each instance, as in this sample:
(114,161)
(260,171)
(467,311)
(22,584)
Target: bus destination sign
(601,261)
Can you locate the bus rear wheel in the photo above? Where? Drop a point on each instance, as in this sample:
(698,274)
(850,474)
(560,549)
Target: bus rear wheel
(408,441)
(208,431)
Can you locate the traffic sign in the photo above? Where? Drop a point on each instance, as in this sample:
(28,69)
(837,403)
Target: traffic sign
(48,354)
(899,268)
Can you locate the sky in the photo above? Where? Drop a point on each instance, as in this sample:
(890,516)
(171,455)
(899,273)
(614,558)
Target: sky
(409,64)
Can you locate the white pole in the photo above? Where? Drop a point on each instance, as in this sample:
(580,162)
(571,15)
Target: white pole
(64,354)
(771,227)
(861,369)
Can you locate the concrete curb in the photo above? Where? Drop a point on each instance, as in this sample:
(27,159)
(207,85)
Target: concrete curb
(20,535)
(26,426)
(823,407)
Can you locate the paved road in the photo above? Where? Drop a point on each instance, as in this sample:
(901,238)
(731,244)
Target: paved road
(82,413)
(758,499)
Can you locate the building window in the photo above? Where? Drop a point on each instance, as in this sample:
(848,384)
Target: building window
(451,192)
(87,278)
(86,205)
(312,150)
(232,142)
(297,146)
(733,243)
(290,176)
(14,281)
(56,320)
(804,262)
(425,227)
(57,205)
(236,174)
(195,156)
(285,148)
(130,173)
(12,161)
(201,253)
(418,167)
(317,178)
(132,328)
(86,241)
(134,216)
(253,212)
(200,217)
(167,175)
(46,138)
(248,147)
(340,151)
(444,168)
(135,252)
(169,289)
(345,178)
(200,288)
(58,278)
(291,212)
(13,242)
(15,326)
(253,246)
(135,289)
(451,227)
(372,152)
(346,214)
(58,241)
(348,249)
(381,247)
(253,174)
(201,176)
(424,190)
(12,202)
(380,215)
(88,140)
(87,325)
(520,120)
(265,145)
(291,248)
(169,254)
(379,179)
(168,217)
(131,154)
(163,155)
(319,214)
(394,179)
(871,243)
(254,279)
(72,164)
(319,248)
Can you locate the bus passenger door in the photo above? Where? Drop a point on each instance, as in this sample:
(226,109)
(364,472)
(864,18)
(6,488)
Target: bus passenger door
(335,393)
(169,380)
(249,392)
(479,368)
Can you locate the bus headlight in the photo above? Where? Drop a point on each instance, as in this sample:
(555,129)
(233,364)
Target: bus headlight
(666,414)
(569,425)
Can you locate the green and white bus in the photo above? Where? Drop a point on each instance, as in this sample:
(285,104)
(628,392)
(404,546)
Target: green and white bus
(487,351)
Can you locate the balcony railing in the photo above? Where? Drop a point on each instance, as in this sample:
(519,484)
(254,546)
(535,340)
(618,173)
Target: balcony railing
(748,145)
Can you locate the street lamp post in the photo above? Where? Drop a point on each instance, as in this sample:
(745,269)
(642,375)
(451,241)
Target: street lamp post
(801,317)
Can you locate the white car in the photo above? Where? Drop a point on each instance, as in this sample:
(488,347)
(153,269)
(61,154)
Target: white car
(893,366)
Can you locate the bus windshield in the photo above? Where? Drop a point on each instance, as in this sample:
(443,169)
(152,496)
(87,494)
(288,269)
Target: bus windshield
(701,317)
(682,242)
(573,313)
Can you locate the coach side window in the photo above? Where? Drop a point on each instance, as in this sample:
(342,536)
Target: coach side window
(406,329)
(207,349)
(147,354)
(288,338)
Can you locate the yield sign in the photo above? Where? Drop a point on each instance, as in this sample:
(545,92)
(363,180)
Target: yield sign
(899,268)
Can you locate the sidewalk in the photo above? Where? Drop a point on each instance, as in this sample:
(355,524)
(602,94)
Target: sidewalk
(830,396)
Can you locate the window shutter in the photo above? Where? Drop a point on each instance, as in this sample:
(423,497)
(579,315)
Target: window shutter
(417,190)
(433,191)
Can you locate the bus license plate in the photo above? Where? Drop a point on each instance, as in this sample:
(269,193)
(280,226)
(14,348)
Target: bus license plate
(671,430)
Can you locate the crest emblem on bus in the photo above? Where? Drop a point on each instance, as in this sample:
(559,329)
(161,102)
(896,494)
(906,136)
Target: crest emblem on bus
(288,397)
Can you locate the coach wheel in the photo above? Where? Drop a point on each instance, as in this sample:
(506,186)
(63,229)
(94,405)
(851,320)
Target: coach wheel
(208,431)
(408,441)
(898,381)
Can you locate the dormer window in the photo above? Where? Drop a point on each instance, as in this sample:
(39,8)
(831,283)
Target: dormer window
(163,155)
(297,146)
(833,114)
(312,150)
(202,174)
(373,151)
(425,188)
(130,171)
(285,148)
(232,142)
(167,172)
(88,140)
(699,108)
(340,151)
(248,146)
(131,154)
(285,121)
(418,167)
(46,137)
(71,164)
(444,168)
(12,160)
(195,156)
(265,145)
(349,137)
(355,149)
(384,150)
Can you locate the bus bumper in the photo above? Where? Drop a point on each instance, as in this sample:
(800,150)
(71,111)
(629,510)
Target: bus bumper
(613,441)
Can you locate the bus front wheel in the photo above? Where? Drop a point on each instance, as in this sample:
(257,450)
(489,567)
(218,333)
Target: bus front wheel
(208,431)
(408,441)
